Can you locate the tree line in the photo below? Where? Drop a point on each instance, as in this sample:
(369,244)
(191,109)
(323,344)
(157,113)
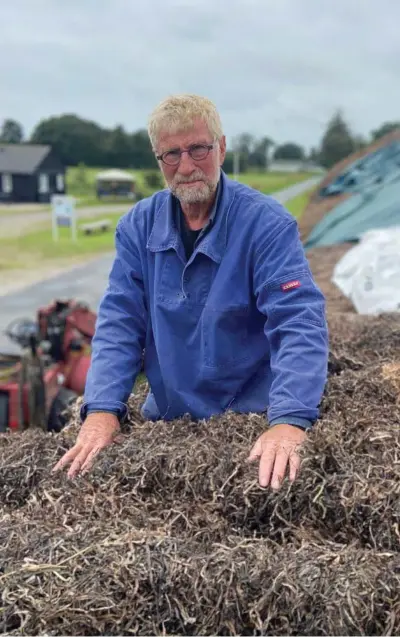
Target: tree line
(81,141)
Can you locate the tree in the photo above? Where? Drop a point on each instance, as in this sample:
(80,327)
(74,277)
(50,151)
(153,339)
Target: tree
(313,155)
(11,132)
(337,141)
(142,152)
(387,127)
(154,180)
(258,157)
(244,143)
(228,165)
(80,183)
(119,148)
(290,150)
(74,139)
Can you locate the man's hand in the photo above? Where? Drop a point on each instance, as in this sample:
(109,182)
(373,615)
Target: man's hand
(277,448)
(97,432)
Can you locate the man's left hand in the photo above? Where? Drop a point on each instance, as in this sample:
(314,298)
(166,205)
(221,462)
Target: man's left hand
(277,448)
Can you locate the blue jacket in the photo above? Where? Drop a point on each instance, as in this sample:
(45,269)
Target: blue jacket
(239,326)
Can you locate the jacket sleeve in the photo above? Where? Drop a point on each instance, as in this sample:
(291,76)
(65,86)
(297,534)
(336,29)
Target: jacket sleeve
(295,326)
(120,333)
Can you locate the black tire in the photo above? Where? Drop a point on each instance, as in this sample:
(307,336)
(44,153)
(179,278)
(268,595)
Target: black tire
(57,416)
(4,412)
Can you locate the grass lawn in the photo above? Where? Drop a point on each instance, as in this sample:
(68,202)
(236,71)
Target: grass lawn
(30,250)
(297,205)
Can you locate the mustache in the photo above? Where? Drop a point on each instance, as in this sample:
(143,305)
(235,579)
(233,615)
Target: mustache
(187,180)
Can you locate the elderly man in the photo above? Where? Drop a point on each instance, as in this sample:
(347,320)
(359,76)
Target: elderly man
(211,280)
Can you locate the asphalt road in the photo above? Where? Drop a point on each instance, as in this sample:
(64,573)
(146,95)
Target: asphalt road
(84,283)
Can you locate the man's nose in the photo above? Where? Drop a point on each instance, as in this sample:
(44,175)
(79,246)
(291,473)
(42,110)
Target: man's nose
(186,165)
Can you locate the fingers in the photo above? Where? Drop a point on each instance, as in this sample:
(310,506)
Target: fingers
(88,463)
(256,451)
(67,457)
(266,464)
(278,450)
(280,464)
(77,463)
(92,438)
(294,463)
(275,460)
(81,457)
(119,439)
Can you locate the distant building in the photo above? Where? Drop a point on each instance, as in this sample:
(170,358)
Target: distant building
(293,166)
(115,183)
(30,173)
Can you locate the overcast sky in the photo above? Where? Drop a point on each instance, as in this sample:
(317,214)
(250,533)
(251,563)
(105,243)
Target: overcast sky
(273,67)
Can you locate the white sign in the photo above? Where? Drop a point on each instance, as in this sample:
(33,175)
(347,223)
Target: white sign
(63,214)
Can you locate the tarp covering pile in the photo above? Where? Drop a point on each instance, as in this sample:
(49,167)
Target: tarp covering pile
(377,167)
(366,172)
(375,200)
(379,207)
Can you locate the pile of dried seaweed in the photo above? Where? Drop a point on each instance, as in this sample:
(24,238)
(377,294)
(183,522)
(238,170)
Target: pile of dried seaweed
(171,534)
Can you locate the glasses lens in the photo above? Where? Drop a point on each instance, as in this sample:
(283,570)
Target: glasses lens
(198,152)
(172,157)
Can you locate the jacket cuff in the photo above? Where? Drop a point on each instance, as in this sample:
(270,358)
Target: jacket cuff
(117,408)
(303,423)
(102,411)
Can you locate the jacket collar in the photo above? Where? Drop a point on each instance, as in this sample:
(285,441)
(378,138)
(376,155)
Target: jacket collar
(164,234)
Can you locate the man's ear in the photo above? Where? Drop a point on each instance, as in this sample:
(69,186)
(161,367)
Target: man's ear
(222,149)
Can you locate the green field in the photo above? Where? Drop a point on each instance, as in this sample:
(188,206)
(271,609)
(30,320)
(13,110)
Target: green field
(36,247)
(299,203)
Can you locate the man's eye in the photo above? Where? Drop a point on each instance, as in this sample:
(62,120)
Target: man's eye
(199,151)
(172,154)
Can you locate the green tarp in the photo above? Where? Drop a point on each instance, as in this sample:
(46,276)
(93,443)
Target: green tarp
(374,204)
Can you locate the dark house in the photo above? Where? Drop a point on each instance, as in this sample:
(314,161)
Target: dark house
(30,173)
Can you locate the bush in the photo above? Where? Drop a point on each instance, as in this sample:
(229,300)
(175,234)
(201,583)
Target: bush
(153,179)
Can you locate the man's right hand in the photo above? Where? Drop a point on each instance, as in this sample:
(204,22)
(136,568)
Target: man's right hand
(97,432)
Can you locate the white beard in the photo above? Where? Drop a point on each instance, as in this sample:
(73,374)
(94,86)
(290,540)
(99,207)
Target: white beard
(193,195)
(199,194)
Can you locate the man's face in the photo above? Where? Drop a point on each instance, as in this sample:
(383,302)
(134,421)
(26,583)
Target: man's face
(192,180)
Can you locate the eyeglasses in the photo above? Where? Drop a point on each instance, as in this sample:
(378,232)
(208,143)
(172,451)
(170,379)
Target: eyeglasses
(197,152)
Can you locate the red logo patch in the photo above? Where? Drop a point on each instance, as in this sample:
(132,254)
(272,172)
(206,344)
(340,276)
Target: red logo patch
(291,285)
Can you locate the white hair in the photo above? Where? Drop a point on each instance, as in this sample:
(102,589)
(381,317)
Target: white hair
(178,112)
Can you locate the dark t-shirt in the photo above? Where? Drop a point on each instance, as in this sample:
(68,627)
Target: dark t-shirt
(189,237)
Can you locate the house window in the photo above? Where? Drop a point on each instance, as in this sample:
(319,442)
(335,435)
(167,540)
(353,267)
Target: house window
(6,183)
(60,182)
(43,183)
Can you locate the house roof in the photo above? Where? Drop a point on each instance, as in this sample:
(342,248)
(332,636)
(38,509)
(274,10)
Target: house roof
(21,158)
(115,175)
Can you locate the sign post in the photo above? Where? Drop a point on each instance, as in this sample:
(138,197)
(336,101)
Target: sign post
(63,213)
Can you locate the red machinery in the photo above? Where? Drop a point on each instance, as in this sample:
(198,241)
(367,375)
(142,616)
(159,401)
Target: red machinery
(37,385)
